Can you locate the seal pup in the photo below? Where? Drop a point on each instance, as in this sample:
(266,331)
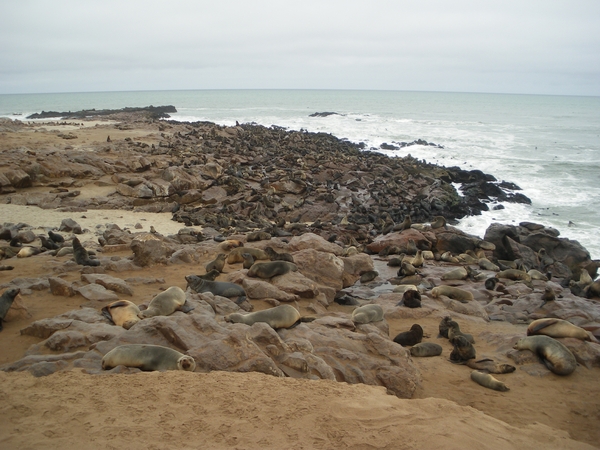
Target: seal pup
(81,255)
(460,273)
(48,243)
(271,269)
(406,269)
(235,255)
(369,275)
(148,357)
(452,292)
(6,300)
(488,365)
(282,316)
(165,303)
(445,326)
(557,358)
(367,314)
(258,236)
(423,349)
(463,350)
(454,330)
(222,288)
(248,260)
(411,298)
(28,251)
(122,313)
(276,256)
(557,328)
(514,274)
(490,283)
(548,295)
(439,222)
(56,237)
(411,337)
(216,264)
(488,381)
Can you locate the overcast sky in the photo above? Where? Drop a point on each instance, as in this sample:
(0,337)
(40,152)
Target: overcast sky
(524,46)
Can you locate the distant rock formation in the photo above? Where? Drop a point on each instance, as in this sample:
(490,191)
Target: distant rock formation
(154,112)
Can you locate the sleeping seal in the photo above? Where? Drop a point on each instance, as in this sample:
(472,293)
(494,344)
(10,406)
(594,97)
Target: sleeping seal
(122,313)
(148,357)
(165,303)
(367,313)
(557,328)
(282,316)
(222,288)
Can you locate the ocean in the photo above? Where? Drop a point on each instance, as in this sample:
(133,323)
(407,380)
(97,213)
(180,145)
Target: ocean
(547,145)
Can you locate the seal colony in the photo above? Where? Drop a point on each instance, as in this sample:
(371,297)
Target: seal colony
(267,206)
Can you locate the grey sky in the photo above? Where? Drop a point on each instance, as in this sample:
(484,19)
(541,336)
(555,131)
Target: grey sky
(526,46)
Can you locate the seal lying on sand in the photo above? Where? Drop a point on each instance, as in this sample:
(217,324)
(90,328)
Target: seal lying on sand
(148,357)
(222,288)
(165,303)
(235,255)
(452,292)
(216,264)
(454,330)
(122,313)
(557,328)
(488,365)
(557,358)
(282,316)
(423,349)
(6,300)
(463,350)
(82,256)
(410,338)
(367,313)
(488,381)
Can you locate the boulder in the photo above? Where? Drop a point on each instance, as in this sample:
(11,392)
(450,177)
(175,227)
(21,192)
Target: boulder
(149,249)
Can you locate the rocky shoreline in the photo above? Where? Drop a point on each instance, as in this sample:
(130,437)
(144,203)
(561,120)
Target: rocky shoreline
(353,221)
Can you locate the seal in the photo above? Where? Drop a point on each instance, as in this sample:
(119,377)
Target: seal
(411,247)
(282,316)
(216,264)
(165,303)
(122,313)
(537,275)
(406,269)
(486,264)
(410,338)
(460,273)
(248,260)
(454,330)
(488,365)
(592,290)
(424,349)
(276,256)
(439,222)
(445,326)
(148,357)
(367,313)
(81,255)
(411,298)
(235,255)
(557,328)
(56,237)
(28,251)
(271,269)
(490,283)
(514,274)
(557,358)
(369,275)
(210,276)
(452,292)
(222,288)
(258,236)
(463,350)
(488,381)
(230,244)
(6,300)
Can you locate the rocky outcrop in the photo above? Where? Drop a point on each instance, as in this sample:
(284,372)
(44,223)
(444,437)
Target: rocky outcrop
(154,112)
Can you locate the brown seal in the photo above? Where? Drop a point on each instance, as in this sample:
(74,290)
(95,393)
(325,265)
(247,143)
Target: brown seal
(557,358)
(488,381)
(216,264)
(460,273)
(248,260)
(276,256)
(367,313)
(452,292)
(165,303)
(148,357)
(514,274)
(6,300)
(271,269)
(557,328)
(488,365)
(411,299)
(445,326)
(222,288)
(282,316)
(258,236)
(122,313)
(454,330)
(410,338)
(369,275)
(235,255)
(463,350)
(424,349)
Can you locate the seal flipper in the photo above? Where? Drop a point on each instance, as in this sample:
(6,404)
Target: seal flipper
(106,313)
(186,307)
(540,326)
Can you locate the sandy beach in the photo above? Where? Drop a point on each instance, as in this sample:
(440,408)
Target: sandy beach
(178,410)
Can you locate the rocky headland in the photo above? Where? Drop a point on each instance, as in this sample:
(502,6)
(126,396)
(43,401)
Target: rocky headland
(360,227)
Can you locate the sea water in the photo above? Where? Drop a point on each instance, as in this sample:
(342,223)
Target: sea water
(547,145)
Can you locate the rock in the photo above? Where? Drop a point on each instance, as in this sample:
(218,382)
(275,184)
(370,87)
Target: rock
(258,289)
(109,282)
(96,292)
(58,286)
(400,240)
(69,225)
(314,242)
(149,249)
(321,267)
